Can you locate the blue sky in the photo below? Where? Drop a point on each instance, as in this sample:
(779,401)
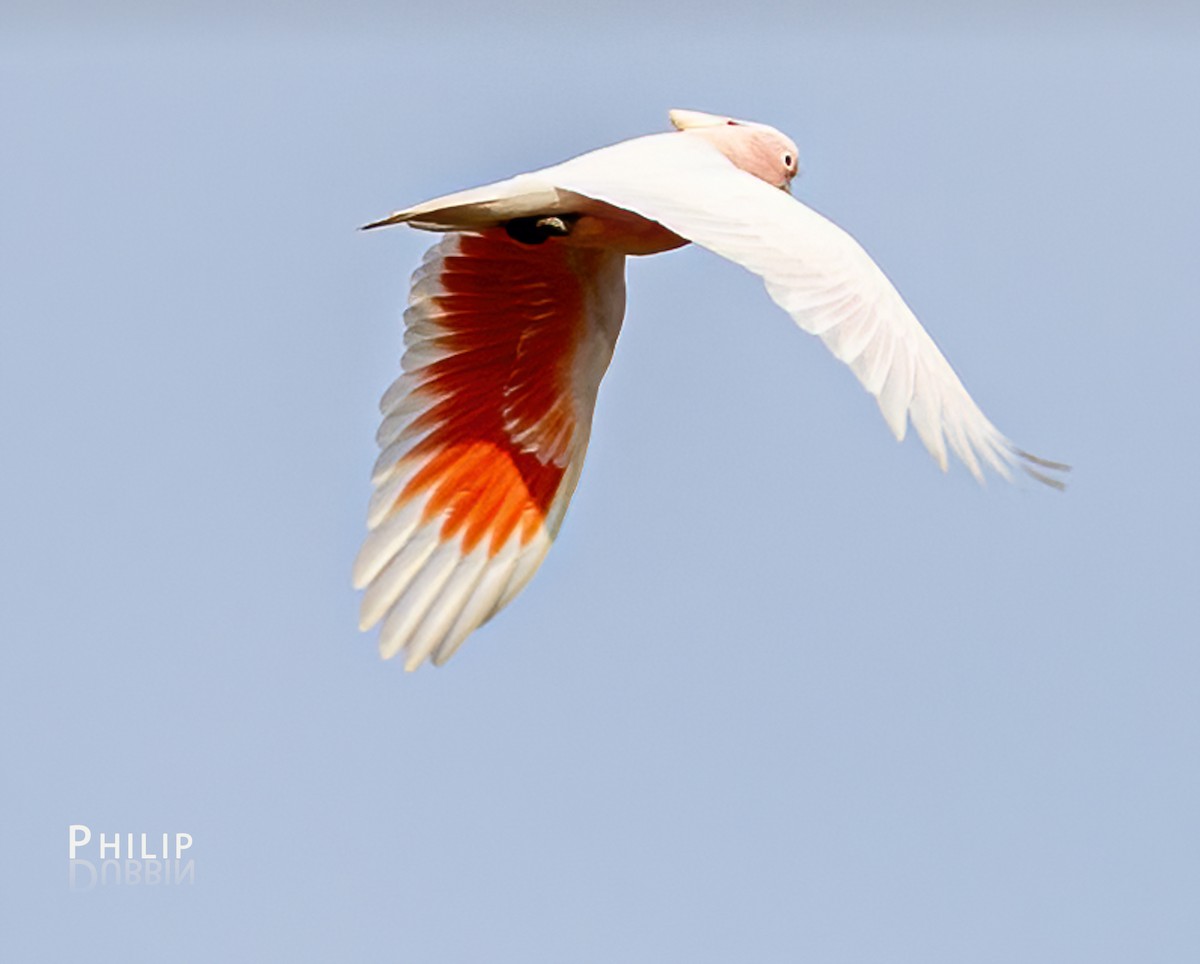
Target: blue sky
(782,691)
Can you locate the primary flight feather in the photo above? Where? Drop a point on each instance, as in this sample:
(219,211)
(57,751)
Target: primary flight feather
(511,324)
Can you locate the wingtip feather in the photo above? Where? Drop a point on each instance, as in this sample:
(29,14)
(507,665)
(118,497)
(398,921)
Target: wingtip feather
(1028,463)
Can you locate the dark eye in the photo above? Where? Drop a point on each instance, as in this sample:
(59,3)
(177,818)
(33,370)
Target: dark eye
(787,160)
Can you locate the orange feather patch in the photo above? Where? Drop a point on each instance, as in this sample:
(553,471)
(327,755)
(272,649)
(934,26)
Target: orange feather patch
(501,417)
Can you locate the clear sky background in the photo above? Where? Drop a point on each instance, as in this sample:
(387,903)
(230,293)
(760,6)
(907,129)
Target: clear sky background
(782,691)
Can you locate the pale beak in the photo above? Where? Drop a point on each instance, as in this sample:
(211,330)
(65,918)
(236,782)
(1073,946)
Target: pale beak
(686,120)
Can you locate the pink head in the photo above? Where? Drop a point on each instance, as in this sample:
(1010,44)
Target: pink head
(756,148)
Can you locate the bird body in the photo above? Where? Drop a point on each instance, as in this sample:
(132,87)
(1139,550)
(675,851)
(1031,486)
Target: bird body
(511,324)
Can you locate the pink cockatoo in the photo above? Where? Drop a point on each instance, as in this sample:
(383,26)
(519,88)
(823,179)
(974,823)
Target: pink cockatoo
(511,324)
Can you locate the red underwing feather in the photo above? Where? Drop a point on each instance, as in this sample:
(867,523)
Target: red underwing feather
(510,315)
(506,345)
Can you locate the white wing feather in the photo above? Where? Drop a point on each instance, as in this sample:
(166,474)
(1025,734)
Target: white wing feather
(815,271)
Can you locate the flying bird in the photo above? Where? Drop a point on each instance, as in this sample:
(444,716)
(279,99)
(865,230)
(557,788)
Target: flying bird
(510,326)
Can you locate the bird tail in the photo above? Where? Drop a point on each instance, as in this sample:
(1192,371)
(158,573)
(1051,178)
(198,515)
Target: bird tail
(484,207)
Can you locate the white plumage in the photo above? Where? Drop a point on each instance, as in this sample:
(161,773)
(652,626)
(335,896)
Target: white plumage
(510,327)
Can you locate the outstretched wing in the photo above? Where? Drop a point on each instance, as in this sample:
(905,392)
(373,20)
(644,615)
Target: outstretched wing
(484,433)
(816,272)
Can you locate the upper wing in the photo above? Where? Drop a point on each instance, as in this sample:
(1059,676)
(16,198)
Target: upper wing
(484,434)
(815,271)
